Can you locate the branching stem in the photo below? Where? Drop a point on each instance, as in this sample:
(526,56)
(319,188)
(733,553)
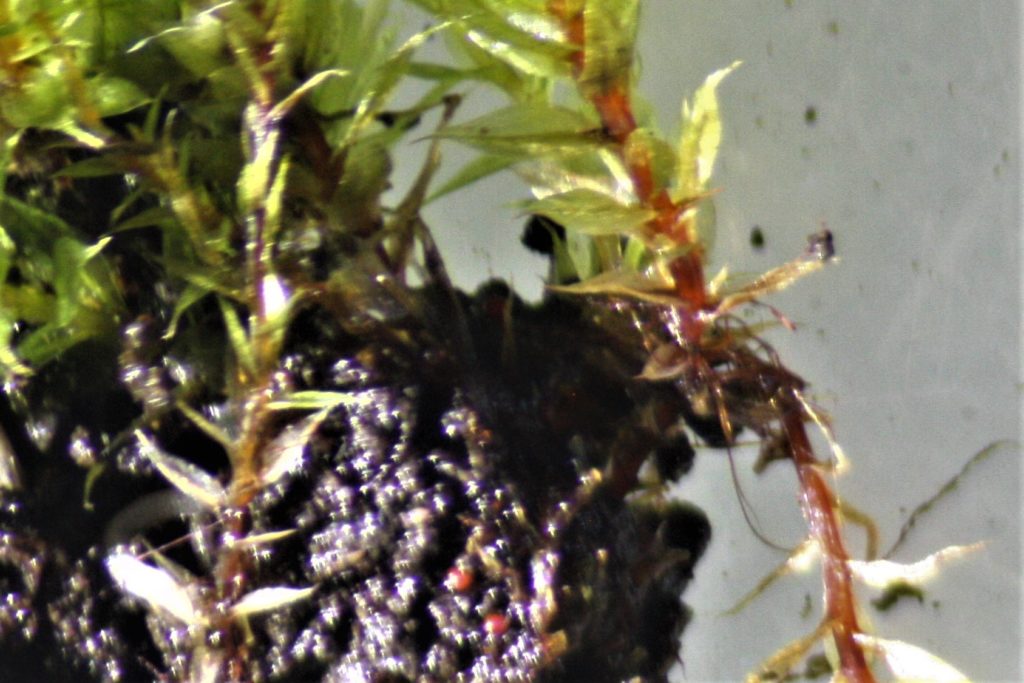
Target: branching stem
(612,102)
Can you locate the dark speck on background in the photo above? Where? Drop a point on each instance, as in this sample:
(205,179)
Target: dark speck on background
(811,115)
(757,238)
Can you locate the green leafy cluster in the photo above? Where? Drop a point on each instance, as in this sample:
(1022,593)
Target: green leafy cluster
(552,133)
(159,98)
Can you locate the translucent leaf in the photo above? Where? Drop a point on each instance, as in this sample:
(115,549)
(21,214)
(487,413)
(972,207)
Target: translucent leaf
(881,573)
(647,286)
(592,213)
(699,138)
(582,254)
(911,663)
(157,588)
(193,481)
(284,453)
(774,280)
(254,540)
(477,169)
(237,335)
(267,599)
(311,400)
(527,130)
(538,58)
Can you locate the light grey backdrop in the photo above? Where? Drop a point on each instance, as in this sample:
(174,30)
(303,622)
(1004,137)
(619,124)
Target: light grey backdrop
(912,341)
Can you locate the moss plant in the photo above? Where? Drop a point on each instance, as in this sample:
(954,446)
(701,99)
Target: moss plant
(253,432)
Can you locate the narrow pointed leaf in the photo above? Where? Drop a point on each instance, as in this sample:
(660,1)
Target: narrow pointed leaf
(591,212)
(190,479)
(311,400)
(526,130)
(475,170)
(254,540)
(268,599)
(699,138)
(284,453)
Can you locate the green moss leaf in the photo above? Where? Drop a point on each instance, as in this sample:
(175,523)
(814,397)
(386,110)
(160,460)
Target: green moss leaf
(526,131)
(591,212)
(477,169)
(701,133)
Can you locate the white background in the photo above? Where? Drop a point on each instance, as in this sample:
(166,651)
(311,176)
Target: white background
(911,341)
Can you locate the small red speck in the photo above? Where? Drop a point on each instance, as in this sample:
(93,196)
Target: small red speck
(495,624)
(459,580)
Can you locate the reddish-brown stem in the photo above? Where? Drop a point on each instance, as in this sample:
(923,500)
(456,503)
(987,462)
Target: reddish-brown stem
(819,507)
(615,110)
(612,103)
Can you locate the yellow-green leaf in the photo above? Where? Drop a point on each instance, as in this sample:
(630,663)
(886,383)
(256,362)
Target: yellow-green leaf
(527,131)
(700,135)
(591,212)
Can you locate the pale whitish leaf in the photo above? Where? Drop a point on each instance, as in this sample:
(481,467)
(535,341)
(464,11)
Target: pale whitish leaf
(911,663)
(158,589)
(881,573)
(276,297)
(311,400)
(524,131)
(267,599)
(590,212)
(699,138)
(284,453)
(191,480)
(254,540)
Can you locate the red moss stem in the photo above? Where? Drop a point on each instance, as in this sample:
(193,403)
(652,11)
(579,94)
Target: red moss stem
(819,508)
(614,108)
